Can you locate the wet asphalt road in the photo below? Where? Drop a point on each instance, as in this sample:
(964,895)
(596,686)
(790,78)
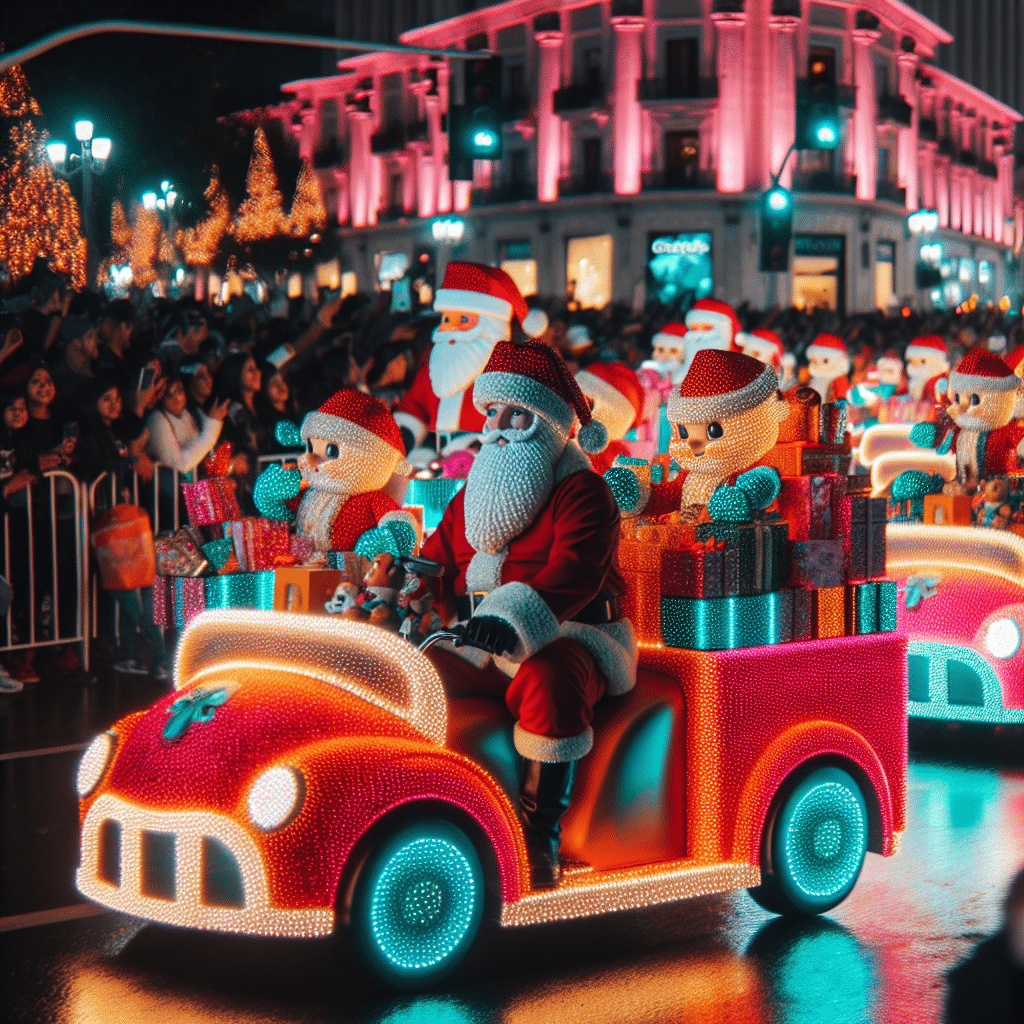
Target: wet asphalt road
(880,956)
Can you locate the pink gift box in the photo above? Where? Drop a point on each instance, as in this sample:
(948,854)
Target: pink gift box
(163,601)
(258,542)
(303,548)
(212,501)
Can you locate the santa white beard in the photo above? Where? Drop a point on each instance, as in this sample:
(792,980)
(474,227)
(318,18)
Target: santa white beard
(509,484)
(822,385)
(453,367)
(322,502)
(916,383)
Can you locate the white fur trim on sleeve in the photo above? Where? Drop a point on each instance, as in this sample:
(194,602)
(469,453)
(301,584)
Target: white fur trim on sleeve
(415,426)
(551,750)
(613,646)
(528,614)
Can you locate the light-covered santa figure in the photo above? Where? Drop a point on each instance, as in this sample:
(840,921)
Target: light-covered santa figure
(926,364)
(530,552)
(668,353)
(982,395)
(353,447)
(828,364)
(762,344)
(726,416)
(477,304)
(709,324)
(617,401)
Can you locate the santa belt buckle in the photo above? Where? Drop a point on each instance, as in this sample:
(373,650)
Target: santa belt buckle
(602,609)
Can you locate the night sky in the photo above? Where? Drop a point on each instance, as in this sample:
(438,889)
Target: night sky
(158,98)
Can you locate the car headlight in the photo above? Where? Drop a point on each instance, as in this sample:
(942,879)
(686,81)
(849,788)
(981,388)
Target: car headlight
(1002,638)
(275,797)
(94,763)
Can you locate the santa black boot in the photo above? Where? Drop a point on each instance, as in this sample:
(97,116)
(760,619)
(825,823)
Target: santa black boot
(544,794)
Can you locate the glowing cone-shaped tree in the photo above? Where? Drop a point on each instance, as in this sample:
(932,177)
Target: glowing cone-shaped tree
(308,210)
(199,244)
(260,216)
(38,215)
(145,247)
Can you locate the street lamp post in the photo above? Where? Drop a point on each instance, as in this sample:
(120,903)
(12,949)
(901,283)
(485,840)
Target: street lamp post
(91,160)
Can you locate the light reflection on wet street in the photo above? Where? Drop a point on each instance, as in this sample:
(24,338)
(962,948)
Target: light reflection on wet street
(880,956)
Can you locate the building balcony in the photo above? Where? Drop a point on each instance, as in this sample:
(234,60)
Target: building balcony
(504,192)
(657,90)
(890,192)
(928,129)
(389,139)
(987,169)
(966,158)
(825,181)
(330,153)
(418,131)
(679,181)
(515,108)
(585,185)
(894,110)
(946,148)
(579,96)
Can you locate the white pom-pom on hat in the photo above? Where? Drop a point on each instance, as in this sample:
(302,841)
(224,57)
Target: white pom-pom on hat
(593,437)
(535,323)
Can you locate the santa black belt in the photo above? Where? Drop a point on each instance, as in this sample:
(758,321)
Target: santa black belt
(604,608)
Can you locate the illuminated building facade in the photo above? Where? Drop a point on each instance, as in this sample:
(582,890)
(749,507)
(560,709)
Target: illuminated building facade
(639,135)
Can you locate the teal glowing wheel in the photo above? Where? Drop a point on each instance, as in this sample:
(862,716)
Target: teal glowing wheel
(814,845)
(417,904)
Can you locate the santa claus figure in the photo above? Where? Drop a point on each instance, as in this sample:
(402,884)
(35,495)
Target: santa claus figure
(982,395)
(926,366)
(828,364)
(477,304)
(353,447)
(616,397)
(762,344)
(709,324)
(668,354)
(529,548)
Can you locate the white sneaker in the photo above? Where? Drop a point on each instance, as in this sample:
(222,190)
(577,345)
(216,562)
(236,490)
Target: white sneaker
(129,667)
(9,685)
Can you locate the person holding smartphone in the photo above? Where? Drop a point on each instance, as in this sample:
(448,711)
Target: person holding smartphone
(181,434)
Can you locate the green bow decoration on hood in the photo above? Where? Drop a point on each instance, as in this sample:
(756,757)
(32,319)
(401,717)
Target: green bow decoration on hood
(920,588)
(199,706)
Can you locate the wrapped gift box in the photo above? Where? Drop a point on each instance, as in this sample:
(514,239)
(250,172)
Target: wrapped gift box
(302,548)
(813,506)
(867,538)
(181,553)
(803,422)
(802,618)
(761,555)
(948,509)
(816,563)
(640,565)
(189,599)
(727,623)
(694,571)
(241,590)
(257,542)
(163,601)
(832,422)
(434,496)
(303,589)
(828,612)
(799,458)
(861,609)
(212,501)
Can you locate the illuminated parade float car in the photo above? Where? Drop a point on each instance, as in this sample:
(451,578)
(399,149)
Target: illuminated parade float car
(308,775)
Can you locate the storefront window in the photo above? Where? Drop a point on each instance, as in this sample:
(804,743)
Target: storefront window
(885,275)
(819,270)
(679,267)
(986,284)
(588,272)
(516,259)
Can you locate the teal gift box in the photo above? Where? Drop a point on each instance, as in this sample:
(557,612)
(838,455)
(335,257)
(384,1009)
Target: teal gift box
(727,623)
(241,590)
(434,496)
(871,608)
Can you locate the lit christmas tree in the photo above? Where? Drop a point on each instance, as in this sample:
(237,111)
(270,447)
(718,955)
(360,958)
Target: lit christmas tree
(199,244)
(38,215)
(146,247)
(260,216)
(121,243)
(308,210)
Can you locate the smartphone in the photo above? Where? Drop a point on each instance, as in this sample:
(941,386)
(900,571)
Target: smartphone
(146,378)
(71,431)
(280,356)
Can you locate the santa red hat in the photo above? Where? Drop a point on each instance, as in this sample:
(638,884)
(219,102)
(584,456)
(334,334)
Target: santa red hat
(764,341)
(981,370)
(478,288)
(1015,359)
(827,345)
(350,417)
(670,336)
(927,345)
(718,314)
(721,384)
(615,386)
(534,376)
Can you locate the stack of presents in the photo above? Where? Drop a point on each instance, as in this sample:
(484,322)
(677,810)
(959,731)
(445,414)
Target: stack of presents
(809,565)
(225,560)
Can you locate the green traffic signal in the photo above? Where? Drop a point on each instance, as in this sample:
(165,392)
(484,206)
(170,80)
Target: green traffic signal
(776,223)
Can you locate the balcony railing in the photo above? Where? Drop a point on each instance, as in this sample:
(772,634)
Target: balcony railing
(894,109)
(825,181)
(389,139)
(579,96)
(504,192)
(890,192)
(679,181)
(657,90)
(585,184)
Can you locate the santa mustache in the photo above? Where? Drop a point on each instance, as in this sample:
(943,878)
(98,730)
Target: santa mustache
(331,475)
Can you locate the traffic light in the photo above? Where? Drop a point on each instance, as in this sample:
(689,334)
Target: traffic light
(818,125)
(776,228)
(474,129)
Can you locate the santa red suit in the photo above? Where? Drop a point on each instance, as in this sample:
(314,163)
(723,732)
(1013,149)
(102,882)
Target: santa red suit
(617,398)
(361,449)
(441,396)
(828,356)
(762,344)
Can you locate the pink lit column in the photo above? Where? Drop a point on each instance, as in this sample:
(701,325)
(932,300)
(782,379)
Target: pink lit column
(731,128)
(942,191)
(341,190)
(907,165)
(549,124)
(426,182)
(865,115)
(307,135)
(626,111)
(359,166)
(442,202)
(999,192)
(926,173)
(956,196)
(783,98)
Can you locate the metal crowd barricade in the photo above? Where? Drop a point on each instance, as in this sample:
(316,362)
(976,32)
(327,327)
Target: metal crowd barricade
(60,487)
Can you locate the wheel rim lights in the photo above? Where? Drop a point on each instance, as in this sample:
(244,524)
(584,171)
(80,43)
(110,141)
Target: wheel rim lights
(94,763)
(275,798)
(422,904)
(1002,638)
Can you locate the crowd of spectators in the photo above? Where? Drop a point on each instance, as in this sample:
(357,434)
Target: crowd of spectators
(95,387)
